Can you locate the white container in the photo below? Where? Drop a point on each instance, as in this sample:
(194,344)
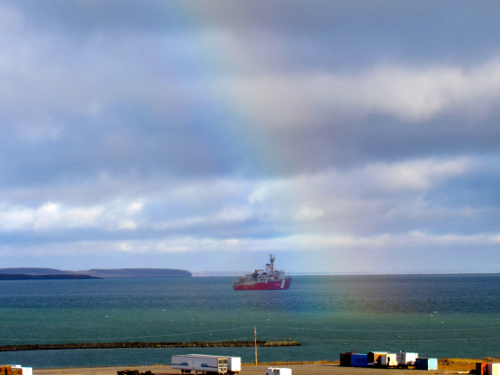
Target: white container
(278,371)
(197,362)
(407,359)
(493,369)
(233,365)
(389,359)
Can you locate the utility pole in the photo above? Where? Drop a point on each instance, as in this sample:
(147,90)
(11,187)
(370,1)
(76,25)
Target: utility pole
(255,340)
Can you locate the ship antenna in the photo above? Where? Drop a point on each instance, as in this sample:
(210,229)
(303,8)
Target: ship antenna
(272,264)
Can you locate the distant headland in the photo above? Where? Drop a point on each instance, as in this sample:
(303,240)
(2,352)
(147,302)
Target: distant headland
(60,276)
(33,273)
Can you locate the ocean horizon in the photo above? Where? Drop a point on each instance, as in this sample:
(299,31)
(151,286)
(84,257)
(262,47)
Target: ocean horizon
(241,273)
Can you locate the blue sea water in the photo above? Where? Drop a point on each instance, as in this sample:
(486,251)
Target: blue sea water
(434,315)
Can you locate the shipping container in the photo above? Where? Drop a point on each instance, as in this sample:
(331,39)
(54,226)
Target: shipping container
(278,371)
(345,359)
(374,358)
(206,364)
(481,368)
(493,369)
(407,359)
(233,365)
(359,360)
(426,363)
(389,360)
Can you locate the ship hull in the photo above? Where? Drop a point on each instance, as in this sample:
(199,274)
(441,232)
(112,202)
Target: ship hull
(273,285)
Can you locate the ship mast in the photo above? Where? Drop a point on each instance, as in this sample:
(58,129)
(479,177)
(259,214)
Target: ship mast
(272,264)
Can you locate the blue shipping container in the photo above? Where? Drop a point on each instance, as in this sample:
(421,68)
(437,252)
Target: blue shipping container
(427,364)
(359,360)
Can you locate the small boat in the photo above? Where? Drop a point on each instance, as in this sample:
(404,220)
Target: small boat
(268,279)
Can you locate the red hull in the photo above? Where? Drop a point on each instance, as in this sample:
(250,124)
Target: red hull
(273,285)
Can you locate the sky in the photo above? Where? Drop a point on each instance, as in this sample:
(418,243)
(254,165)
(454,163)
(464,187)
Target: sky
(341,136)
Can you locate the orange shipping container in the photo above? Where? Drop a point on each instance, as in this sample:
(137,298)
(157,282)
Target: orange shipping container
(481,368)
(375,358)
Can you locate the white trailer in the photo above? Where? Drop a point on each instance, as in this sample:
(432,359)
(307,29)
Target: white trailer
(206,364)
(278,371)
(233,363)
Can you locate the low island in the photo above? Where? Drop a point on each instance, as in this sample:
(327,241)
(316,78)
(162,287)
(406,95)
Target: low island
(22,276)
(33,273)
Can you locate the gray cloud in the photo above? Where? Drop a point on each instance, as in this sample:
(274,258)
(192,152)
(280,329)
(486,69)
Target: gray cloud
(353,31)
(135,131)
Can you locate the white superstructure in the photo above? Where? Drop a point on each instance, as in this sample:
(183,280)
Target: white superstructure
(266,279)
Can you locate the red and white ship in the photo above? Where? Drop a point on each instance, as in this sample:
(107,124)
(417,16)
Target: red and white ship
(268,279)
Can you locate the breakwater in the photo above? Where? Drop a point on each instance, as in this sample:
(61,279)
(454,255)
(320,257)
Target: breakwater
(148,345)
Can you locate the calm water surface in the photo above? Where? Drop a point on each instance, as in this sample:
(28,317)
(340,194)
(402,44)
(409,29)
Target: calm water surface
(434,315)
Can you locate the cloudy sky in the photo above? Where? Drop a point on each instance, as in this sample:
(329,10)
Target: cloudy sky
(342,136)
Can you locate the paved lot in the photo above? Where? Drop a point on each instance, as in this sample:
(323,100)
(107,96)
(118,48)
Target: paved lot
(308,369)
